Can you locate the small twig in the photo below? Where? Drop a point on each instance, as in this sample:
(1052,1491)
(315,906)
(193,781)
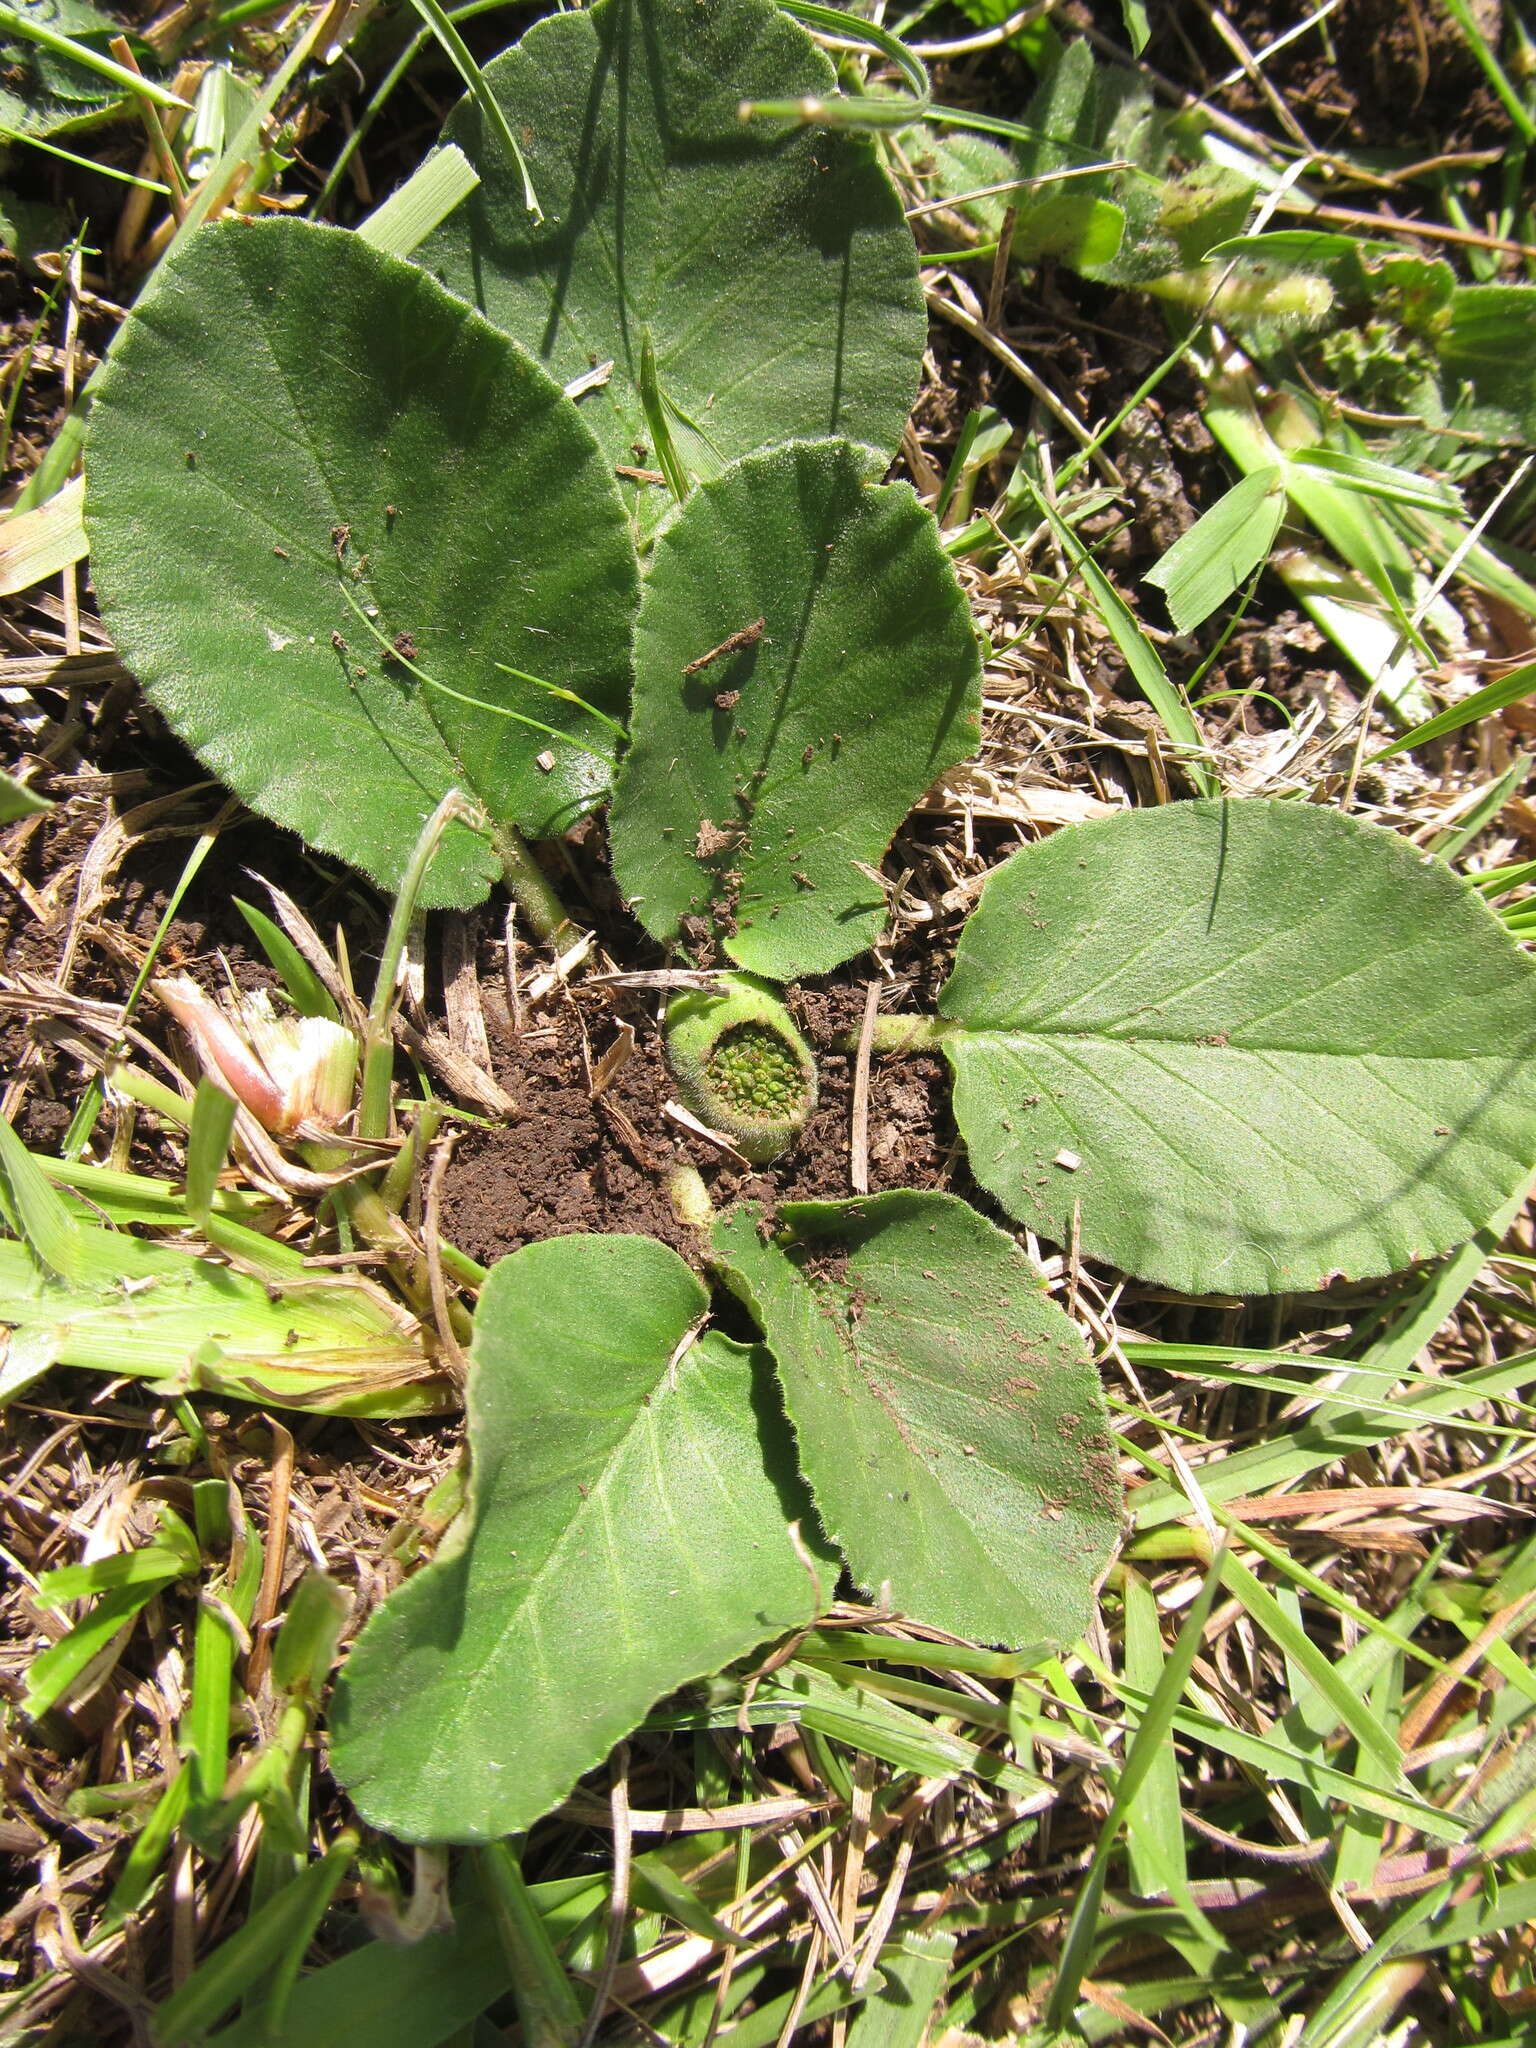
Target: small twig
(160,148)
(989,38)
(1424,230)
(1310,1851)
(858,1163)
(733,643)
(618,1901)
(442,1310)
(279,1485)
(1000,263)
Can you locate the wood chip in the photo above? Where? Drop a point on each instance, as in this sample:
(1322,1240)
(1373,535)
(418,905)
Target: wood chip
(675,1113)
(612,1062)
(858,1162)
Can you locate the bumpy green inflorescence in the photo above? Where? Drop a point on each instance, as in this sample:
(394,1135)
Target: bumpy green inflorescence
(741,1065)
(757,1073)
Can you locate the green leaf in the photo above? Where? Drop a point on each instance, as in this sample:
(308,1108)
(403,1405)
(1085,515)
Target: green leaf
(17,801)
(34,1209)
(1488,345)
(773,271)
(1242,1046)
(252,494)
(855,684)
(1509,689)
(186,1323)
(261,1958)
(949,1421)
(627,1532)
(1229,540)
(1141,657)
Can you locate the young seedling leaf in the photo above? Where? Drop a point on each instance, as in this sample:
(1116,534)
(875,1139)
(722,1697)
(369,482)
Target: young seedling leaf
(627,1531)
(773,270)
(949,1421)
(1242,1046)
(1229,540)
(805,669)
(264,512)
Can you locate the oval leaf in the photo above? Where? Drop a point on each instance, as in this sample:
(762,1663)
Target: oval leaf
(1242,1047)
(773,271)
(949,1421)
(291,418)
(627,1531)
(805,668)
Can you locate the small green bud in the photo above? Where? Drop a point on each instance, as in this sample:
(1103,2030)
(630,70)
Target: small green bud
(741,1065)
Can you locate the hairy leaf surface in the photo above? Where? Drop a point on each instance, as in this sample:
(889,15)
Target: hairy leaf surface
(1248,1046)
(771,267)
(290,414)
(949,1421)
(758,787)
(627,1531)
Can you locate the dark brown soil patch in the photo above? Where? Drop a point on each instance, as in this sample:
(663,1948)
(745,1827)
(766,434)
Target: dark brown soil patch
(570,1162)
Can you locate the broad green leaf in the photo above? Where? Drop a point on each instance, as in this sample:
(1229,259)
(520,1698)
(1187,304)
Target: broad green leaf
(802,749)
(295,430)
(1488,345)
(1229,540)
(949,1421)
(1242,1046)
(772,269)
(627,1532)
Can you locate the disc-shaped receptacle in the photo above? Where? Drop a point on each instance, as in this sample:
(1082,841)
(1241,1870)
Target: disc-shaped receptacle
(741,1065)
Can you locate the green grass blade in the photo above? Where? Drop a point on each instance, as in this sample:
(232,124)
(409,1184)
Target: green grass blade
(1466,20)
(458,54)
(64,1666)
(410,213)
(1215,558)
(1266,1611)
(31,30)
(1146,1745)
(1510,689)
(1154,1826)
(842,110)
(1141,657)
(546,2001)
(34,1209)
(264,1954)
(150,1849)
(306,991)
(208,1136)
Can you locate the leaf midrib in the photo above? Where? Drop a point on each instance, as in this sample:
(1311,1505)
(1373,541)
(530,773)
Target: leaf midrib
(1503,1055)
